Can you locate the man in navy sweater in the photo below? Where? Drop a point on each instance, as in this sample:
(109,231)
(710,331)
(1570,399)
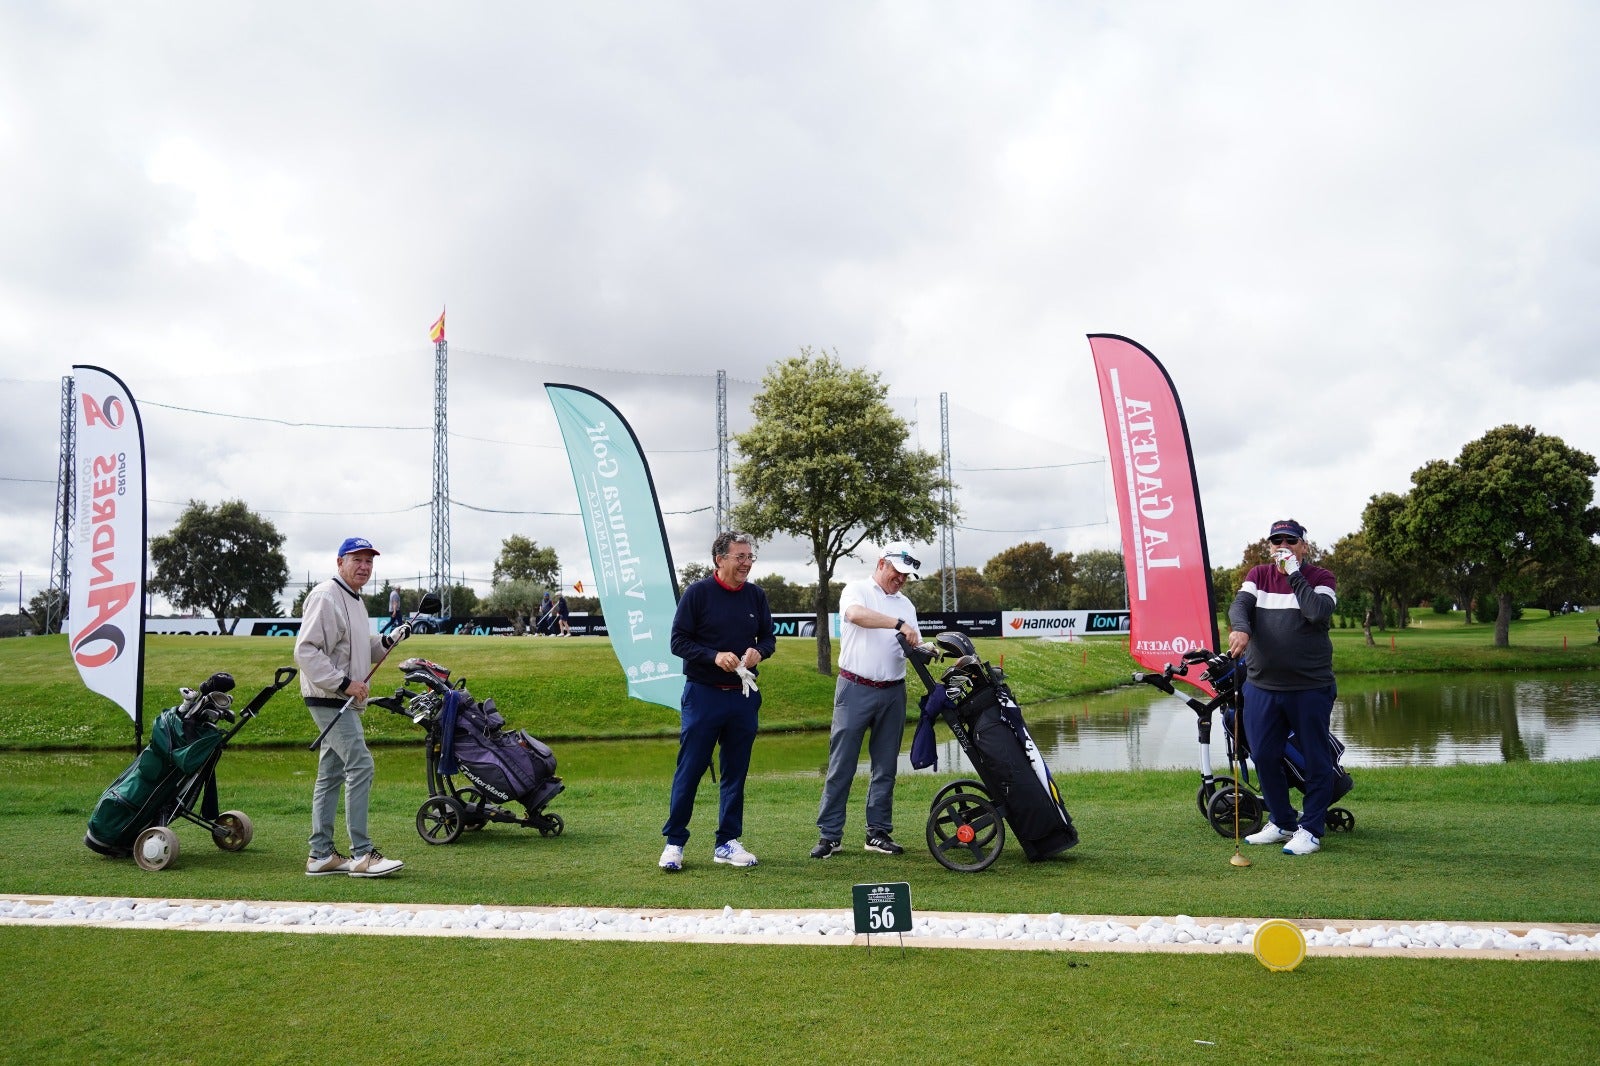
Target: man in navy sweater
(1282,615)
(722,630)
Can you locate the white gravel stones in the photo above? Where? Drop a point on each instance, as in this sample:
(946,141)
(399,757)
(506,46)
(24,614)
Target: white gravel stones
(1166,933)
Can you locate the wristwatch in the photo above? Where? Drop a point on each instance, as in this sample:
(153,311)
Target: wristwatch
(898,622)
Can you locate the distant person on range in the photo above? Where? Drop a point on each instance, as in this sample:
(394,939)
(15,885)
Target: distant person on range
(869,697)
(335,651)
(1282,615)
(563,615)
(722,630)
(395,617)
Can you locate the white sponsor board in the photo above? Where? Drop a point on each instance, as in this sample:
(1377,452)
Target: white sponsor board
(1069,624)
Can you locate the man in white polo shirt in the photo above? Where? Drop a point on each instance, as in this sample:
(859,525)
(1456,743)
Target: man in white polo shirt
(869,696)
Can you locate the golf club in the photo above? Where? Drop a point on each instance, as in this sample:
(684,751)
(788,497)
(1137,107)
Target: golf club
(430,604)
(1233,771)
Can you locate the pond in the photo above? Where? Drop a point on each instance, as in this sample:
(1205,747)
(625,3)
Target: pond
(1412,720)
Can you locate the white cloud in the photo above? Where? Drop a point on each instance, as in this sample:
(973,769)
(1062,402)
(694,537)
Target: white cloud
(1356,238)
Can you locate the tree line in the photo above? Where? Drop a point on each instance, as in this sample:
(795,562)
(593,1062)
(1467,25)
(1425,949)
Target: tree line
(1510,522)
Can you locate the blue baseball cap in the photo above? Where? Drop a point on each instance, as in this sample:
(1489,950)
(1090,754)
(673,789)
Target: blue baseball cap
(357,544)
(1287,527)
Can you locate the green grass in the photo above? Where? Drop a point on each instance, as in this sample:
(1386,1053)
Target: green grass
(1508,843)
(566,689)
(219,997)
(1502,843)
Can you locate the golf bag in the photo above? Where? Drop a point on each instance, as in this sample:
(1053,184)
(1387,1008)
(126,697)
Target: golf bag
(1216,795)
(175,777)
(469,739)
(1009,764)
(145,793)
(507,766)
(1014,783)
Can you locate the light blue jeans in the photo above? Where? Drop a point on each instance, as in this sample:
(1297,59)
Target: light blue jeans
(344,761)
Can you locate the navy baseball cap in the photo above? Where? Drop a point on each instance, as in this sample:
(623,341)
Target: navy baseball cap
(357,544)
(1287,527)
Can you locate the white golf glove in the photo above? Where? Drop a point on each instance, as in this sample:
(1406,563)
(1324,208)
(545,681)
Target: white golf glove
(747,680)
(397,634)
(1286,560)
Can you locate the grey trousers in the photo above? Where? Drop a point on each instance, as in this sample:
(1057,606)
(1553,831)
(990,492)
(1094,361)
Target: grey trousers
(858,710)
(345,761)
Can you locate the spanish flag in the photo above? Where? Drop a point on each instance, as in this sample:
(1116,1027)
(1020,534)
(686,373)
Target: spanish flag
(436,334)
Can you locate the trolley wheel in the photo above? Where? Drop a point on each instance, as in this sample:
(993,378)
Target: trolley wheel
(155,848)
(964,785)
(473,801)
(233,831)
(439,820)
(1252,812)
(1340,820)
(553,827)
(1202,796)
(965,832)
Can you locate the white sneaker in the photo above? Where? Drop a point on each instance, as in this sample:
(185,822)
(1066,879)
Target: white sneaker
(1303,843)
(322,865)
(373,865)
(671,858)
(1268,834)
(734,854)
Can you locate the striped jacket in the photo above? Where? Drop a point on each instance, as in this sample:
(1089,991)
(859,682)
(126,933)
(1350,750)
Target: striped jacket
(1287,617)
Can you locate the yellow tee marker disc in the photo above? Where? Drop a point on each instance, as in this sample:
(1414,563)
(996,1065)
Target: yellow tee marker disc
(1279,944)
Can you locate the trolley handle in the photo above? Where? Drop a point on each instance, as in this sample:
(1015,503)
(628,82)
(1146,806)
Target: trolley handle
(919,656)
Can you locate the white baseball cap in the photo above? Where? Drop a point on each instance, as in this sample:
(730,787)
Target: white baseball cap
(900,557)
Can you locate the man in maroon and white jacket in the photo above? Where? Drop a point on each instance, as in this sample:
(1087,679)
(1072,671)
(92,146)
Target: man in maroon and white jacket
(1282,615)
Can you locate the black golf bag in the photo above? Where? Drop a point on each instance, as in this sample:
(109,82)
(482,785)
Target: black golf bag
(973,699)
(1216,796)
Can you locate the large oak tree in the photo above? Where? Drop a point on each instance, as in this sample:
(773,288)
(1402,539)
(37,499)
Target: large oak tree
(224,560)
(827,462)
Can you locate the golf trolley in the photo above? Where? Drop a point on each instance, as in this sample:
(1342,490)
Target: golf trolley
(467,737)
(1217,797)
(967,819)
(175,777)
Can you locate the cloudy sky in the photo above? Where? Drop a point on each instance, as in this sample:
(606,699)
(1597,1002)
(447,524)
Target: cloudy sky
(1357,236)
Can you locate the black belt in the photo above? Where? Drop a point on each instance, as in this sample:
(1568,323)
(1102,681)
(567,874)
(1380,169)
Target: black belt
(867,681)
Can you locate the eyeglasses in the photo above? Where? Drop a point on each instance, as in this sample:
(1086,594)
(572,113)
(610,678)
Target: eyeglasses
(1285,539)
(906,557)
(742,557)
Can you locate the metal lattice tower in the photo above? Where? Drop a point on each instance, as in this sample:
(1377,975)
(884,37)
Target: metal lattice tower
(724,495)
(439,561)
(947,536)
(66,506)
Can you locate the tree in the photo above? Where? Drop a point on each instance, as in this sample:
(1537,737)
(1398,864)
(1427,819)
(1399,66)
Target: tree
(521,559)
(972,592)
(783,596)
(1099,581)
(1514,502)
(47,610)
(827,462)
(519,596)
(1030,577)
(689,573)
(225,561)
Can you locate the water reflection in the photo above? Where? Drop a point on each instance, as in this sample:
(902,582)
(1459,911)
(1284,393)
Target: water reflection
(1408,721)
